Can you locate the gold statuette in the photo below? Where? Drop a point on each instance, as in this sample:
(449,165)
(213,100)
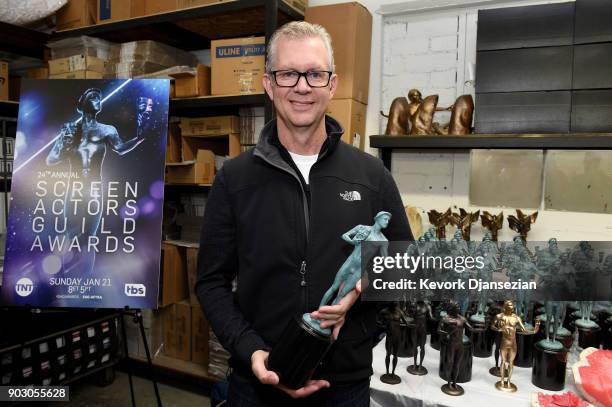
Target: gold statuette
(507,323)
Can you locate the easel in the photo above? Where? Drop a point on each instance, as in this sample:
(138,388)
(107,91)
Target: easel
(136,314)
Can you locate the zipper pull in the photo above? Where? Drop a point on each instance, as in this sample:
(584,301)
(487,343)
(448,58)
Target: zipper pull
(303,273)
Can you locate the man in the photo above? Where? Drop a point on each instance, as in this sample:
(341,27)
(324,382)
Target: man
(274,220)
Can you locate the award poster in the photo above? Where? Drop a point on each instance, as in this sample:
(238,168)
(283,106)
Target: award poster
(84,226)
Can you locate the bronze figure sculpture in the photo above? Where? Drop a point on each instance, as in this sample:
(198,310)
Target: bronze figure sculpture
(422,120)
(422,312)
(521,223)
(452,327)
(394,316)
(507,322)
(463,221)
(439,220)
(492,223)
(460,122)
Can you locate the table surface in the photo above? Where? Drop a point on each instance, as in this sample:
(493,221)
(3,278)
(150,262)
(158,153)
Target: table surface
(425,390)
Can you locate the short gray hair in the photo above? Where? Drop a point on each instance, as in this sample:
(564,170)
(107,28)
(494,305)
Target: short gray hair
(297,30)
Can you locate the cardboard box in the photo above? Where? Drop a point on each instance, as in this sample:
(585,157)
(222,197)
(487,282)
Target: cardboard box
(350,27)
(14,89)
(176,327)
(165,6)
(192,276)
(223,145)
(76,63)
(202,171)
(299,5)
(37,73)
(199,336)
(191,231)
(173,143)
(117,10)
(351,114)
(173,285)
(210,126)
(78,75)
(75,14)
(237,65)
(4,81)
(188,85)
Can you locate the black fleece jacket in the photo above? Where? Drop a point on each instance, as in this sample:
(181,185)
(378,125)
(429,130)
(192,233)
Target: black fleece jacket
(282,240)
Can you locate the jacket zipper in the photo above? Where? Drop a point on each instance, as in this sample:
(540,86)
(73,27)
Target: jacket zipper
(302,270)
(303,273)
(307,219)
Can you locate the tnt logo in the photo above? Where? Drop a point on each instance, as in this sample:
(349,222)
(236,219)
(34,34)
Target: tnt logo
(135,290)
(24,287)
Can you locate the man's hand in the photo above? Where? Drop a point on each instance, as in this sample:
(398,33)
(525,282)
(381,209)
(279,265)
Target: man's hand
(334,315)
(259,361)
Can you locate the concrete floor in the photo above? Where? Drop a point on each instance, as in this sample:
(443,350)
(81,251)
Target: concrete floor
(87,393)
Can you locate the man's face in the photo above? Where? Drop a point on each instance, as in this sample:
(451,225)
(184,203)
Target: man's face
(300,106)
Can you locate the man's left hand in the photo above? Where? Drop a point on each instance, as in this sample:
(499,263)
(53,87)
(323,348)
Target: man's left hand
(334,315)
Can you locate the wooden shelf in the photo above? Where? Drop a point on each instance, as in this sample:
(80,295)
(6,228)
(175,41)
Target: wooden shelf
(556,141)
(178,366)
(192,28)
(182,243)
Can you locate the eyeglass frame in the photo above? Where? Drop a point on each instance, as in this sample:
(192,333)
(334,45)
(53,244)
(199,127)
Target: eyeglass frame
(300,74)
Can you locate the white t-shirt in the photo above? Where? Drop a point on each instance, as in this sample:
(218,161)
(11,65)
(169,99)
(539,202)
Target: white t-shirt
(304,163)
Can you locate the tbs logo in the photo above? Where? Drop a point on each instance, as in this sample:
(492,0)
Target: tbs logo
(24,287)
(135,290)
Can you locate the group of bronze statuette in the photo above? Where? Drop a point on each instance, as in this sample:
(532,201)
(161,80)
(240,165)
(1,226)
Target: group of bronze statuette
(462,330)
(415,116)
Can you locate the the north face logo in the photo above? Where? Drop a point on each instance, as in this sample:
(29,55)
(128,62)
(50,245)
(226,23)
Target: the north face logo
(351,196)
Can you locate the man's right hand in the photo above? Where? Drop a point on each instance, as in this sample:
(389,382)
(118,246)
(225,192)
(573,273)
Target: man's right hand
(259,360)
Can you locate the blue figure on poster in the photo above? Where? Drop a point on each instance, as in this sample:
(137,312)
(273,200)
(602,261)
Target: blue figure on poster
(82,144)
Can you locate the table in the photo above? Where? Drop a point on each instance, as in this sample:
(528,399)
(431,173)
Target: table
(424,391)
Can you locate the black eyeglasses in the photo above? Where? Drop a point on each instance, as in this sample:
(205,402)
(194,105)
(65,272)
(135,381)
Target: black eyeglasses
(290,78)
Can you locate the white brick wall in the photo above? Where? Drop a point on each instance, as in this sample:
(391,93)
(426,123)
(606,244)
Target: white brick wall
(420,53)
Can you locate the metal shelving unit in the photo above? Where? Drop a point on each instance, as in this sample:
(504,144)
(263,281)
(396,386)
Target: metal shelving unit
(187,29)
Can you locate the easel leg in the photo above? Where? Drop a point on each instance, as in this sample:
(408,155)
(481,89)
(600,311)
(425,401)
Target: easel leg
(129,363)
(138,316)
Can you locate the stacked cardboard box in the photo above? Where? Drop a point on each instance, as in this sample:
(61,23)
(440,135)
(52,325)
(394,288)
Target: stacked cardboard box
(77,58)
(237,65)
(152,324)
(199,336)
(191,227)
(143,57)
(173,281)
(82,45)
(4,80)
(165,6)
(192,274)
(252,121)
(176,323)
(77,67)
(218,358)
(205,142)
(116,10)
(191,84)
(75,14)
(350,27)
